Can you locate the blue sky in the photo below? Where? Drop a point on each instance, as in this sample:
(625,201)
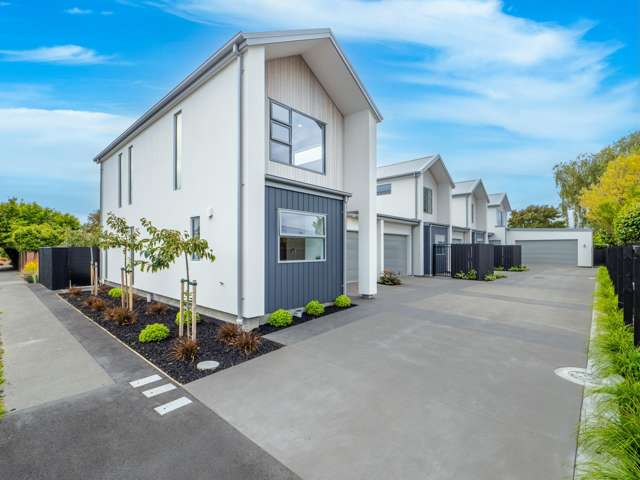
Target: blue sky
(502,90)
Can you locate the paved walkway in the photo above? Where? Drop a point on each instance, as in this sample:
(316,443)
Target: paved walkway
(42,360)
(79,417)
(436,379)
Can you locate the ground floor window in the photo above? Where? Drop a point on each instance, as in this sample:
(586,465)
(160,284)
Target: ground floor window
(302,236)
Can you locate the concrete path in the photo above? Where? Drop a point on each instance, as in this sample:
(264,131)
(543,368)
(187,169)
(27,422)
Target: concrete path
(436,379)
(42,360)
(106,429)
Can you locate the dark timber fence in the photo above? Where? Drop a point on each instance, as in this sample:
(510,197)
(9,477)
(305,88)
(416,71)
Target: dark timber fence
(599,256)
(462,258)
(623,264)
(61,266)
(507,256)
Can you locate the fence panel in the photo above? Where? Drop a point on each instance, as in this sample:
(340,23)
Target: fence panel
(61,266)
(623,265)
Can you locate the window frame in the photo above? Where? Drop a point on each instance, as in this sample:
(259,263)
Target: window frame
(427,200)
(280,211)
(177,172)
(380,193)
(129,168)
(473,216)
(289,126)
(499,218)
(194,257)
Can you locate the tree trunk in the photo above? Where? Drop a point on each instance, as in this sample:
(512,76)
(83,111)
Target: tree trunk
(193,313)
(181,317)
(130,281)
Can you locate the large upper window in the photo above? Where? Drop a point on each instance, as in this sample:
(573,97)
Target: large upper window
(428,200)
(384,189)
(177,151)
(296,139)
(302,236)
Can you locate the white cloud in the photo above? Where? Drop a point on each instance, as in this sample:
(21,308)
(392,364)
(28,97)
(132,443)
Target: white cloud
(5,4)
(78,11)
(55,144)
(61,54)
(106,13)
(480,65)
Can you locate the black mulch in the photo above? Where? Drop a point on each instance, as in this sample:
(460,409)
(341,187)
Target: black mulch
(157,352)
(266,328)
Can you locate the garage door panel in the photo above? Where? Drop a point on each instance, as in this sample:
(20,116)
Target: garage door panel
(395,253)
(553,252)
(352,257)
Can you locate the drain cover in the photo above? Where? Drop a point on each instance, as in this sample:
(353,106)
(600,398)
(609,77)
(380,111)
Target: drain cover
(577,375)
(208,365)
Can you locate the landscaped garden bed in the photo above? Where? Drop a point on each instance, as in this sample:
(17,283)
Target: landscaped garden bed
(158,353)
(328,310)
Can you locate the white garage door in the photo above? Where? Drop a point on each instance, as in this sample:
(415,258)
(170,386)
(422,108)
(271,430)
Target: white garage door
(395,253)
(352,257)
(555,252)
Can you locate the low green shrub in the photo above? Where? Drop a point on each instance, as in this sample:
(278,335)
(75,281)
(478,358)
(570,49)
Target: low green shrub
(314,308)
(280,318)
(518,268)
(499,268)
(470,275)
(389,277)
(115,292)
(186,317)
(342,301)
(610,437)
(154,332)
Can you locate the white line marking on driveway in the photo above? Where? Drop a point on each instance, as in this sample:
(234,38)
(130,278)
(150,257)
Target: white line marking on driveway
(145,381)
(167,387)
(171,406)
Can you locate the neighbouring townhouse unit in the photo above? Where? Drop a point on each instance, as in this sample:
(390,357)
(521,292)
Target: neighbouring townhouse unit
(469,203)
(414,212)
(262,150)
(497,218)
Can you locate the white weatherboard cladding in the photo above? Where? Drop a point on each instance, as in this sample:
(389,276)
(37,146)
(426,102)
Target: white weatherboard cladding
(459,211)
(291,81)
(444,204)
(401,202)
(209,180)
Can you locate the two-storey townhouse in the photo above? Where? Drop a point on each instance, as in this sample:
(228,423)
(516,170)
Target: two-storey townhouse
(497,218)
(414,212)
(469,202)
(261,150)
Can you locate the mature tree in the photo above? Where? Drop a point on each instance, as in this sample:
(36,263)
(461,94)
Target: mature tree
(536,216)
(16,214)
(627,225)
(574,177)
(163,247)
(619,186)
(29,238)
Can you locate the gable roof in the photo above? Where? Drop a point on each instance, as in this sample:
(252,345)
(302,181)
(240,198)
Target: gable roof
(296,38)
(469,187)
(496,199)
(412,167)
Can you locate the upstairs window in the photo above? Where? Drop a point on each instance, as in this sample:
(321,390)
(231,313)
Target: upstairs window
(177,151)
(384,189)
(428,200)
(499,218)
(296,139)
(473,212)
(119,180)
(302,236)
(129,173)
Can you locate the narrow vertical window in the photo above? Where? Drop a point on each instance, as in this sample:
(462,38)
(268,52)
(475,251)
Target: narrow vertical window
(129,171)
(119,180)
(473,213)
(177,151)
(132,258)
(427,200)
(195,233)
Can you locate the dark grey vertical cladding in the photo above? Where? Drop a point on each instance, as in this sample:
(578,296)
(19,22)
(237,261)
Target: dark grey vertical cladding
(291,285)
(430,232)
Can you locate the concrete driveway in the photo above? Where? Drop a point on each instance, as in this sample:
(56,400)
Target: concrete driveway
(436,379)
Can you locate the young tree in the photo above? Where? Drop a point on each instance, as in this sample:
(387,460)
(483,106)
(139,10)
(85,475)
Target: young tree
(536,216)
(127,238)
(89,235)
(619,186)
(162,248)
